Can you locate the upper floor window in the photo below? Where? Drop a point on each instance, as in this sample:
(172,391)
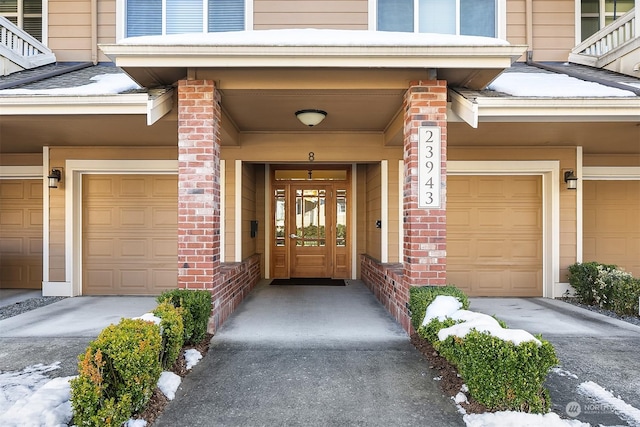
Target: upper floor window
(460,17)
(26,14)
(596,14)
(160,17)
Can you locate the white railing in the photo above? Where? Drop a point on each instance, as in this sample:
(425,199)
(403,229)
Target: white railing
(611,37)
(21,48)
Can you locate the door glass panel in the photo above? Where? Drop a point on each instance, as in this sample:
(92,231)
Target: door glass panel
(280,213)
(310,217)
(341,218)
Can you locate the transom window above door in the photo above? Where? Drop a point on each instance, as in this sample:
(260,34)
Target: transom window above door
(458,17)
(161,17)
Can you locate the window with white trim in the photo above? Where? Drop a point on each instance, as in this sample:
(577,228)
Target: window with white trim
(160,17)
(596,14)
(25,14)
(460,17)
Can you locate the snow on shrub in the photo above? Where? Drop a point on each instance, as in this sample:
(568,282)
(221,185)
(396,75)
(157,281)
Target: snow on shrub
(504,368)
(421,296)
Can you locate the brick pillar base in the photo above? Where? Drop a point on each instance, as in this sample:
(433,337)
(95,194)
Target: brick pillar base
(198,184)
(424,252)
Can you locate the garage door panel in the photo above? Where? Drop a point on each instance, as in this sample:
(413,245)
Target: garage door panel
(138,244)
(21,233)
(498,251)
(612,223)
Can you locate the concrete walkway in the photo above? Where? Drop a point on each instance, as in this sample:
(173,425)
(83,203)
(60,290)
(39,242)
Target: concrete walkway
(311,356)
(590,346)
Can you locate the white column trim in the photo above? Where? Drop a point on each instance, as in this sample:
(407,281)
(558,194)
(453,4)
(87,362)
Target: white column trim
(267,221)
(384,211)
(579,206)
(45,218)
(223,205)
(238,216)
(354,221)
(611,173)
(73,171)
(550,172)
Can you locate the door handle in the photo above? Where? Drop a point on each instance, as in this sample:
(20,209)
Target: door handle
(293,236)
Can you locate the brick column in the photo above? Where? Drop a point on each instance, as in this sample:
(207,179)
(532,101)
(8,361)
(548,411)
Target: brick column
(198,184)
(424,251)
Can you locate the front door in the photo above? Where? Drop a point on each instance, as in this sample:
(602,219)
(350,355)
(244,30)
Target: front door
(310,229)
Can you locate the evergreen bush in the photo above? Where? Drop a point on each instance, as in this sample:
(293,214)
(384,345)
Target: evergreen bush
(197,309)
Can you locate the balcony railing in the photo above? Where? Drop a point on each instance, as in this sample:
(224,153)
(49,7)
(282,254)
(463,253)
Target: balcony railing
(608,44)
(21,49)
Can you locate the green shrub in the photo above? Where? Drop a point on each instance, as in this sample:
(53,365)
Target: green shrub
(117,373)
(499,374)
(172,329)
(625,295)
(197,309)
(421,296)
(606,286)
(502,375)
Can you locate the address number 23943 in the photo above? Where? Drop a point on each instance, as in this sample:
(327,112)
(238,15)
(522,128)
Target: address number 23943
(429,167)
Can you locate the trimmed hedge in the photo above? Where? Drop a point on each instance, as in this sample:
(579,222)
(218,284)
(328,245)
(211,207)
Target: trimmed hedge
(421,296)
(606,286)
(197,309)
(117,373)
(172,328)
(499,374)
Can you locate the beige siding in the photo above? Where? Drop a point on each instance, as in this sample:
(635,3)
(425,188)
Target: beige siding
(21,233)
(373,214)
(260,210)
(553,29)
(393,218)
(360,200)
(516,22)
(230,212)
(19,159)
(71,28)
(346,15)
(611,160)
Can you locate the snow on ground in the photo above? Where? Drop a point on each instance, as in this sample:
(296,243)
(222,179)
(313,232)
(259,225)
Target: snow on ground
(520,419)
(563,372)
(28,398)
(192,356)
(444,306)
(615,404)
(552,85)
(104,84)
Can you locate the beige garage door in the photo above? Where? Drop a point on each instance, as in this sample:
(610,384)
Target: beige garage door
(21,234)
(612,223)
(494,235)
(129,234)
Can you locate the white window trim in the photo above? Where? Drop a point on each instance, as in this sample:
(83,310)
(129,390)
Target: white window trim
(550,172)
(501,16)
(73,172)
(121,24)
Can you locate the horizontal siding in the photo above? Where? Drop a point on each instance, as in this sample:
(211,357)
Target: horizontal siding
(310,13)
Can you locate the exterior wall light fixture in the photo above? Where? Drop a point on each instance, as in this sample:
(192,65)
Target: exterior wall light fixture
(311,117)
(54,178)
(571,180)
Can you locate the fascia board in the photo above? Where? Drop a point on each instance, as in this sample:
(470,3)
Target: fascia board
(65,105)
(316,56)
(464,108)
(159,106)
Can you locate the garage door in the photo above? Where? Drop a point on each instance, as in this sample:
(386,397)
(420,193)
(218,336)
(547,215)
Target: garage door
(21,234)
(494,235)
(612,223)
(129,234)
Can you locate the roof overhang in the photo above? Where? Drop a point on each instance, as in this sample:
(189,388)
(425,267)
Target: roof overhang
(473,110)
(472,66)
(154,104)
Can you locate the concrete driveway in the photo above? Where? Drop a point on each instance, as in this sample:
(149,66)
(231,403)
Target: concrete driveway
(62,330)
(590,346)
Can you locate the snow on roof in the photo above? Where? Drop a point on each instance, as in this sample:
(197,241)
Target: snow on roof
(313,37)
(553,85)
(105,84)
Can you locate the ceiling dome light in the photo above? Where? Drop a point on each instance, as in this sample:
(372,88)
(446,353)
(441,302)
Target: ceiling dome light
(311,117)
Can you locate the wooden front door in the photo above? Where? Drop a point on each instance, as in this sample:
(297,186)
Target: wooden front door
(311,236)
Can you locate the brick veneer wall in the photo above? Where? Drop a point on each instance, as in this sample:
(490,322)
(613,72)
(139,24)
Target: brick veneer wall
(237,280)
(388,285)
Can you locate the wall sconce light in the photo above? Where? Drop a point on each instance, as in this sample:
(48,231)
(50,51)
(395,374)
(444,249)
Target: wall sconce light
(571,180)
(54,178)
(311,117)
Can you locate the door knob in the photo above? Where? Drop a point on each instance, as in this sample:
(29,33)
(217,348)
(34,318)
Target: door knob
(293,236)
